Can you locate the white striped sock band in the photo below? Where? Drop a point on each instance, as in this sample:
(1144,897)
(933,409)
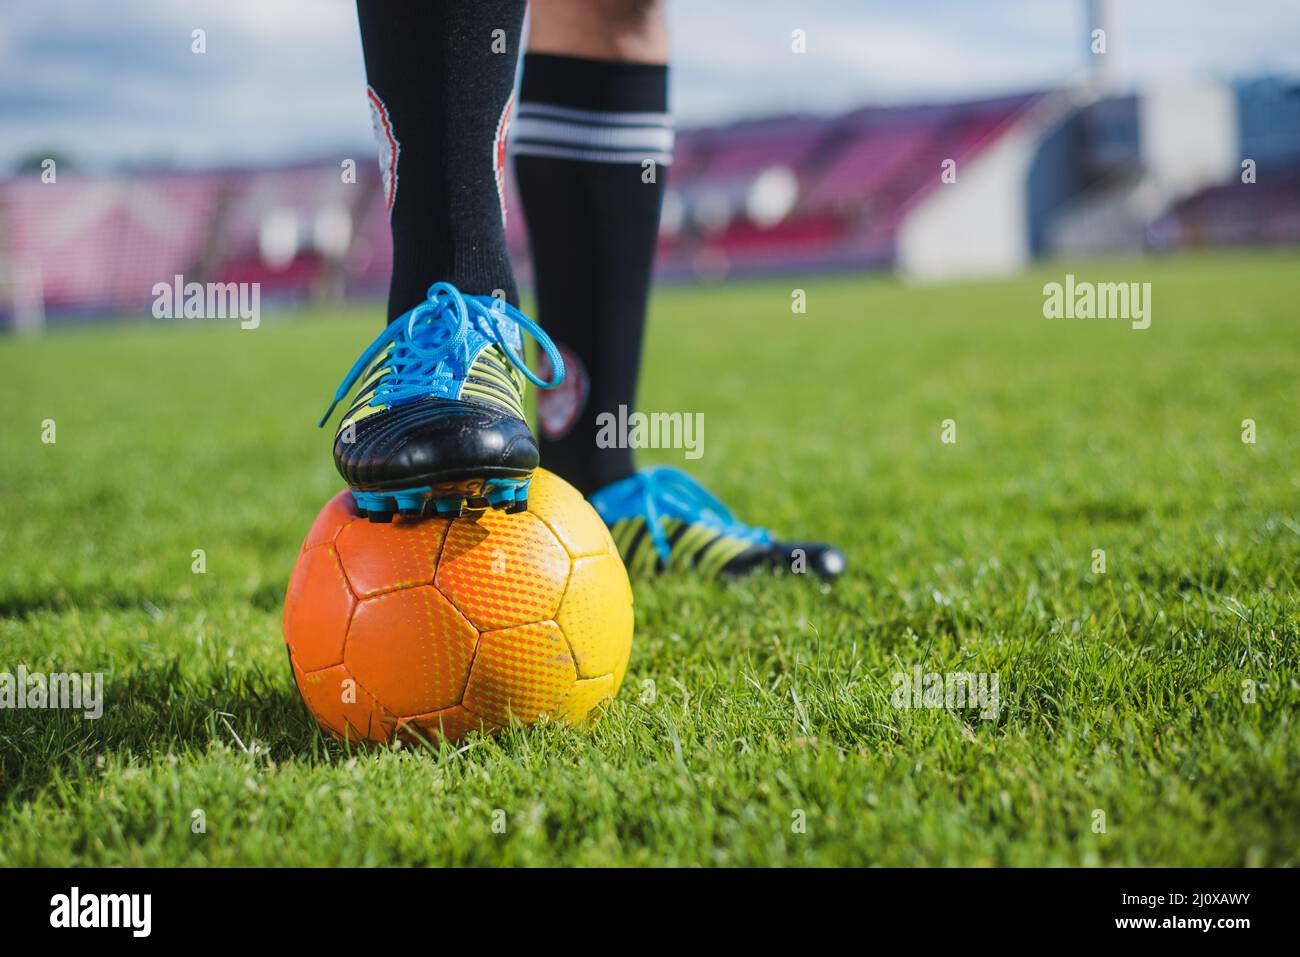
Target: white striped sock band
(542,129)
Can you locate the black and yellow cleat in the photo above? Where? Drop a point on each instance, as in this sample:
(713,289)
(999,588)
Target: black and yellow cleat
(663,520)
(437,425)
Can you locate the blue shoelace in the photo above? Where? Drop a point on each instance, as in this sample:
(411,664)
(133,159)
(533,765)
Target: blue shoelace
(431,347)
(672,493)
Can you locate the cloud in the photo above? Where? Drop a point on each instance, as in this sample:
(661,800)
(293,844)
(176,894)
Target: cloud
(279,80)
(736,56)
(284,80)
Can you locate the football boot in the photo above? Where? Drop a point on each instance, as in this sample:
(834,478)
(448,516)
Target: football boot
(663,520)
(437,424)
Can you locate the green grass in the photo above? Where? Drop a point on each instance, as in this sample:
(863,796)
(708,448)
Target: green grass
(1121,692)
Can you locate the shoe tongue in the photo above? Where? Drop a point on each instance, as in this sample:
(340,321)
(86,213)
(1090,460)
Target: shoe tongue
(511,335)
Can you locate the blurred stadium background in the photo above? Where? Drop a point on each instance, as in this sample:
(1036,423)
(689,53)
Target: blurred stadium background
(1082,168)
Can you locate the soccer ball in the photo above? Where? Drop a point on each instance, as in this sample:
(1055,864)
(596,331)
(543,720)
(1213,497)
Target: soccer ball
(435,627)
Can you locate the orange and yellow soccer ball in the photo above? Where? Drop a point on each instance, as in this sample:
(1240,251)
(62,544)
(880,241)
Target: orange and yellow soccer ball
(440,626)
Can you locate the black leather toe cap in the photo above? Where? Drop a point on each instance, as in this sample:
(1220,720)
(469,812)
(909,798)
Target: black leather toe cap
(433,440)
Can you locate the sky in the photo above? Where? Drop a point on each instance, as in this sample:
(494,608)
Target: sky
(106,84)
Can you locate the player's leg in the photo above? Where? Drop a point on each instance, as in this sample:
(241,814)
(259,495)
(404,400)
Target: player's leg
(593,142)
(440,77)
(438,417)
(592,145)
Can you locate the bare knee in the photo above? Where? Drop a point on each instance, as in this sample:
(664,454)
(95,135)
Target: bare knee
(606,29)
(632,17)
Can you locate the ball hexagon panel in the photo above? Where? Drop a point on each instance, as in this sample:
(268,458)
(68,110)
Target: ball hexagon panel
(378,558)
(411,649)
(567,514)
(596,615)
(342,705)
(520,672)
(317,608)
(503,570)
(585,696)
(338,512)
(450,723)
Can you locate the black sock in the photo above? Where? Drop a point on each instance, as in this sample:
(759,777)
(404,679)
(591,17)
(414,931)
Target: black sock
(441,79)
(585,138)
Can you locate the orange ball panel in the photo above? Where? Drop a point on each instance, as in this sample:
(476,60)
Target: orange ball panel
(503,570)
(412,649)
(343,706)
(317,608)
(379,558)
(450,723)
(339,511)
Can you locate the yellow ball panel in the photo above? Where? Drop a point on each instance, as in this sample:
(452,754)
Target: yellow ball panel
(520,672)
(596,615)
(584,697)
(567,514)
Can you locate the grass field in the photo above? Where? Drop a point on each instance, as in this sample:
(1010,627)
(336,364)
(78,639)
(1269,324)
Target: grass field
(1159,697)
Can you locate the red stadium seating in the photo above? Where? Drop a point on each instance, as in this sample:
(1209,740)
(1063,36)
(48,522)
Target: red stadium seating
(100,243)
